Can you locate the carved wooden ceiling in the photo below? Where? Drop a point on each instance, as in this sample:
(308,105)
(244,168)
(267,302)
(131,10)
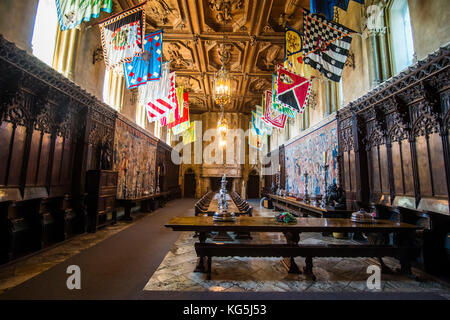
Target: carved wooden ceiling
(199,34)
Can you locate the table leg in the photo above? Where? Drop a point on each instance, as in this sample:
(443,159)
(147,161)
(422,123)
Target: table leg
(308,269)
(208,276)
(127,216)
(201,261)
(292,238)
(405,240)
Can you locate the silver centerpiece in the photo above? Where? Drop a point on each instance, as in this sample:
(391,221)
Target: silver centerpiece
(223,215)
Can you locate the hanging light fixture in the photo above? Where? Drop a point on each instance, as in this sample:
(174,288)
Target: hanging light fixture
(222,88)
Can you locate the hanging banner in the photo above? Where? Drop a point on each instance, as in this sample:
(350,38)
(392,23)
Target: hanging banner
(71,13)
(256,141)
(327,45)
(189,134)
(123,36)
(147,66)
(277,105)
(272,117)
(293,90)
(182,113)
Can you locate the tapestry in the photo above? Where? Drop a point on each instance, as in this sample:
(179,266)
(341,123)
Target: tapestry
(135,160)
(123,36)
(71,13)
(326,46)
(307,155)
(147,66)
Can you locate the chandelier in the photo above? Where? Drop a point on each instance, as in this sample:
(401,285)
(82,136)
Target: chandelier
(222,87)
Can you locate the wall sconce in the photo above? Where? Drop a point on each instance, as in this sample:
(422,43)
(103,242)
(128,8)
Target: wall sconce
(97,55)
(350,61)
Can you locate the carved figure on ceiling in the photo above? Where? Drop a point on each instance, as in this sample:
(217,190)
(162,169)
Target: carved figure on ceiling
(159,11)
(224,52)
(270,60)
(178,61)
(223,8)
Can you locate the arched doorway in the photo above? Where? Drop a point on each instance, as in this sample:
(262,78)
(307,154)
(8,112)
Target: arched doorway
(189,183)
(253,185)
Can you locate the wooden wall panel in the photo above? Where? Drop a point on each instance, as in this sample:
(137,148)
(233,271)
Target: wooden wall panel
(44,160)
(397,168)
(5,138)
(407,169)
(17,153)
(438,166)
(424,168)
(33,159)
(384,172)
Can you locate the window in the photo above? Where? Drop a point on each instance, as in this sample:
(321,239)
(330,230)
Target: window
(113,89)
(44,33)
(55,47)
(401,35)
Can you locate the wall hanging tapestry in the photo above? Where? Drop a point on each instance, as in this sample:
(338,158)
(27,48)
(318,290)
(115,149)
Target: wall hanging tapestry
(123,36)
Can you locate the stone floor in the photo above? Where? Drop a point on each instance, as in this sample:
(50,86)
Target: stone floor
(236,274)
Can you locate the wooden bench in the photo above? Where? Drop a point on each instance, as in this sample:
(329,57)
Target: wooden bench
(210,250)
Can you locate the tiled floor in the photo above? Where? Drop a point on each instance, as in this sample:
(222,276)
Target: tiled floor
(235,274)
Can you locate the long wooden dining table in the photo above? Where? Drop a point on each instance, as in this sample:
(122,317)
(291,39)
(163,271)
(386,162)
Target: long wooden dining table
(403,247)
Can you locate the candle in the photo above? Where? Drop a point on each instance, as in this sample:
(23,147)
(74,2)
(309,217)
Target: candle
(325,156)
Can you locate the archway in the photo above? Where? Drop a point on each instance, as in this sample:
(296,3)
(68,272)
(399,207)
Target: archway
(253,185)
(189,183)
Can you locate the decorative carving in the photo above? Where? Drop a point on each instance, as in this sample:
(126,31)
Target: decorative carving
(224,51)
(269,57)
(223,9)
(178,61)
(160,12)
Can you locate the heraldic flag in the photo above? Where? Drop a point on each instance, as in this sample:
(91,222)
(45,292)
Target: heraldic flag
(271,116)
(326,46)
(277,105)
(159,97)
(123,36)
(71,13)
(293,89)
(147,66)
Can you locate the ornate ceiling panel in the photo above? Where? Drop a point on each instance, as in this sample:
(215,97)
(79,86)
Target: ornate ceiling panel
(199,35)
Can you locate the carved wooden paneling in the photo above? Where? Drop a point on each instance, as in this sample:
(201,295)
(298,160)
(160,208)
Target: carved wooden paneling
(403,126)
(47,124)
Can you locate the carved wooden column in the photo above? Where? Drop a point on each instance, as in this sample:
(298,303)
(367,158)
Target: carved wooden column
(361,165)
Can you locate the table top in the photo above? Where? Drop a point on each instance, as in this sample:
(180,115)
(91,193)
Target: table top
(147,197)
(269,224)
(307,205)
(214,205)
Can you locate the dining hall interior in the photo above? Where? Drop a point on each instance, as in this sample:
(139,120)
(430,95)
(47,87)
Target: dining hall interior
(234,149)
